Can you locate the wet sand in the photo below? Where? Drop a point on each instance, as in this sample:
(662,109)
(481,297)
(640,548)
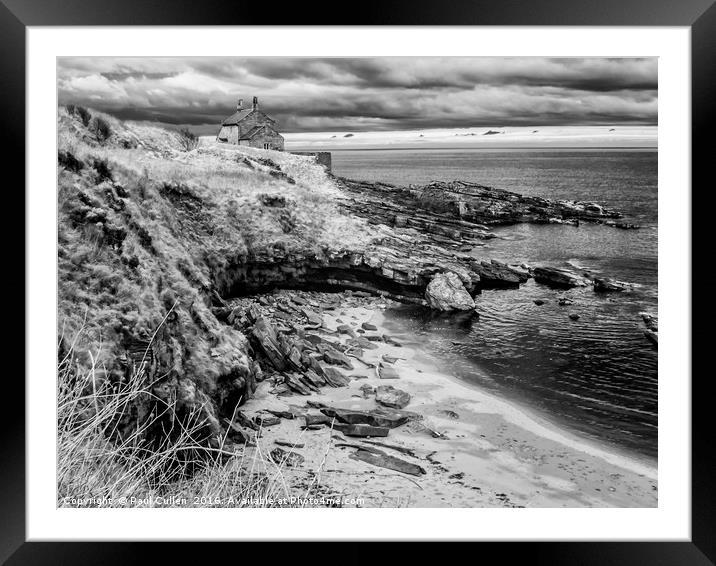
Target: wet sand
(486,453)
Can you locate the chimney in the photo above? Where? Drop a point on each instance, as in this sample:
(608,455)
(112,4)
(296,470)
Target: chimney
(256,102)
(240,104)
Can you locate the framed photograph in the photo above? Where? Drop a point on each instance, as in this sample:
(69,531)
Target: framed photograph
(398,278)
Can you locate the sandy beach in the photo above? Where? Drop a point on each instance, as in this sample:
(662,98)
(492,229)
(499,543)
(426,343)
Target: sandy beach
(477,450)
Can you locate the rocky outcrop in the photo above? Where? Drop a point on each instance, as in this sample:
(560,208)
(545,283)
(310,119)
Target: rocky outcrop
(652,327)
(495,274)
(608,285)
(447,293)
(557,278)
(461,209)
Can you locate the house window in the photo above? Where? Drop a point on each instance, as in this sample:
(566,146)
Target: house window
(267,146)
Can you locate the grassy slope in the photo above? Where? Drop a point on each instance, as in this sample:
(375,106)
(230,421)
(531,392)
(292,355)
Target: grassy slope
(146,241)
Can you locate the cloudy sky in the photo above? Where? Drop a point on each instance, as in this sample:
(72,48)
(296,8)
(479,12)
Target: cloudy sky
(368,94)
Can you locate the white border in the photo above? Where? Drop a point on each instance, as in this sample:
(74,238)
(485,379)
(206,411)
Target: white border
(670,521)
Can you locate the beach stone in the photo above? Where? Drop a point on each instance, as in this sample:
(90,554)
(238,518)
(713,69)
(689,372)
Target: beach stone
(445,292)
(387,372)
(264,420)
(367,390)
(383,460)
(361,429)
(312,420)
(346,329)
(315,379)
(334,377)
(574,316)
(288,459)
(391,397)
(361,342)
(336,358)
(373,418)
(369,326)
(264,335)
(312,317)
(284,414)
(538,302)
(295,383)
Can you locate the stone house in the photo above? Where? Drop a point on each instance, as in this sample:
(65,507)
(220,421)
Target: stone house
(251,127)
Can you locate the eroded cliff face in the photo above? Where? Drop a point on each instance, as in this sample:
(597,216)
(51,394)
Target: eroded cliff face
(155,243)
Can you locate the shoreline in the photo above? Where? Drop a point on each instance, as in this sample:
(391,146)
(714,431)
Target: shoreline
(490,452)
(524,417)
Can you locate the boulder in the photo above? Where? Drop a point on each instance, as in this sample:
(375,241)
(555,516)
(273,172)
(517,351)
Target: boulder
(369,326)
(391,397)
(445,292)
(559,278)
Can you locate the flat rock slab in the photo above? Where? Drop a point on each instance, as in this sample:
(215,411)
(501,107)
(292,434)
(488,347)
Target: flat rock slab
(334,377)
(383,460)
(336,358)
(363,430)
(372,418)
(369,326)
(387,372)
(312,420)
(265,336)
(288,444)
(391,397)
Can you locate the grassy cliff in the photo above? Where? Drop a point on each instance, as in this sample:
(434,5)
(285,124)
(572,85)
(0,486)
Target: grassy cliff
(146,221)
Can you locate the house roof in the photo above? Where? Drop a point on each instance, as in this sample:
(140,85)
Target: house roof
(237,116)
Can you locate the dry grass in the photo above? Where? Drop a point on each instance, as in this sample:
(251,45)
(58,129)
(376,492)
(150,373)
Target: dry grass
(99,467)
(145,226)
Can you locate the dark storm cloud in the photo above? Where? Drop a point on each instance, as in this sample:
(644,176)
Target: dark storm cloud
(316,94)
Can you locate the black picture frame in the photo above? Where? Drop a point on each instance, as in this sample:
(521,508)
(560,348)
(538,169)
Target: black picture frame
(699,15)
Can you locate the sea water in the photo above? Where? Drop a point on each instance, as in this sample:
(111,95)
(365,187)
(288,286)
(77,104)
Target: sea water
(596,376)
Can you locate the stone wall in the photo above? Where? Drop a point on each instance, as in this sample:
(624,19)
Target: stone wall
(229,134)
(267,136)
